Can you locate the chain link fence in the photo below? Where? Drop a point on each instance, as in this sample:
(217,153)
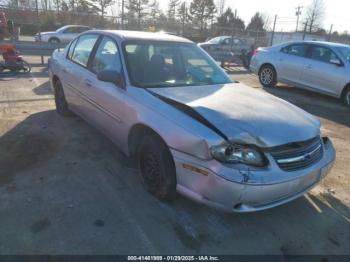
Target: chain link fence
(30,21)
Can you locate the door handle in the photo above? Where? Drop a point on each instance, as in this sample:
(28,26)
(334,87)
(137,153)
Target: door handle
(64,71)
(308,67)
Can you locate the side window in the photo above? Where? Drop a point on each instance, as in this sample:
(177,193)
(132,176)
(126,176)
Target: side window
(83,49)
(71,49)
(69,30)
(322,54)
(297,50)
(82,29)
(106,57)
(227,41)
(236,41)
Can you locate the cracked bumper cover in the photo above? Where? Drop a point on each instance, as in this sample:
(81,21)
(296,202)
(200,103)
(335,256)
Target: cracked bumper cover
(237,190)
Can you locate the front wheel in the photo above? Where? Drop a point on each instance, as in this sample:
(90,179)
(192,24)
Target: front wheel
(268,76)
(346,96)
(157,168)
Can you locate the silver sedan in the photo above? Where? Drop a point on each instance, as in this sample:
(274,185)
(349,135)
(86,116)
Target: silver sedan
(64,34)
(317,66)
(163,100)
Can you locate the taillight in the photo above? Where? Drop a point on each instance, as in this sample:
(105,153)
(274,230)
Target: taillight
(256,51)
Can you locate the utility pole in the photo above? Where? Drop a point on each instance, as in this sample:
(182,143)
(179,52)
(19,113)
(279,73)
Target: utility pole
(273,30)
(298,13)
(330,33)
(123,6)
(305,28)
(184,18)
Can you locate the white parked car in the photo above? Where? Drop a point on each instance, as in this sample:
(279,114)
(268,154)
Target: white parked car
(322,67)
(64,34)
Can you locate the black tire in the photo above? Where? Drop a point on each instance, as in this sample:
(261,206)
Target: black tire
(26,67)
(222,64)
(157,168)
(268,76)
(60,100)
(346,96)
(54,41)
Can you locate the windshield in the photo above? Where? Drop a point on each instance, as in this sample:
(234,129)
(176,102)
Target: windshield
(169,64)
(345,52)
(216,40)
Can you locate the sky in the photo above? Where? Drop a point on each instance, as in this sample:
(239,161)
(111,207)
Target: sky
(337,12)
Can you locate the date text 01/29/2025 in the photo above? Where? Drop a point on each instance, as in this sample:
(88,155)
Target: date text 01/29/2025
(173,258)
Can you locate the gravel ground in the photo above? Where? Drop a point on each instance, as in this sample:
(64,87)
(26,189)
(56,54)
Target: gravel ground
(65,189)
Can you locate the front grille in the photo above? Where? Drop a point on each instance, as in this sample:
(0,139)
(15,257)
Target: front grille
(298,156)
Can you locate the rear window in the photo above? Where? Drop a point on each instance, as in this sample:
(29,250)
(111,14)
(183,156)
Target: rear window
(297,50)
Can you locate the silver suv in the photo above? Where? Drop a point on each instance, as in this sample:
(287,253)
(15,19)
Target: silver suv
(317,66)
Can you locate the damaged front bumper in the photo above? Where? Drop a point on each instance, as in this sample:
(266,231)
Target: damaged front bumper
(239,189)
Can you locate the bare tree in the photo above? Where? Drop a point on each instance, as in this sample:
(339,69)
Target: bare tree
(314,15)
(154,11)
(220,6)
(172,6)
(201,12)
(103,5)
(137,9)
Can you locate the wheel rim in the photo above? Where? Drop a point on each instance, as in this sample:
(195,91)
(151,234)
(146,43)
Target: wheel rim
(150,170)
(347,98)
(266,76)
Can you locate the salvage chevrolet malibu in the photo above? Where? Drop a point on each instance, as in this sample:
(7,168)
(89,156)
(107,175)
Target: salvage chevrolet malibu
(193,130)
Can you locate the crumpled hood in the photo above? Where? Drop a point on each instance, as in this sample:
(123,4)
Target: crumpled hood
(246,115)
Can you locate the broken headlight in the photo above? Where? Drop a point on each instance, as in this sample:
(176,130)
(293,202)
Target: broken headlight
(228,153)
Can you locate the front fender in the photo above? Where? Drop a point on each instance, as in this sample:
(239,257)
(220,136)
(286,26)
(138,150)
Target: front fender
(178,130)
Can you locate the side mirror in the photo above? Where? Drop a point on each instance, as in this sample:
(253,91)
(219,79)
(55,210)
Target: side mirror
(110,76)
(336,62)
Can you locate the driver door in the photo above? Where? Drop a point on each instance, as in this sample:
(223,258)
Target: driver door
(68,35)
(107,101)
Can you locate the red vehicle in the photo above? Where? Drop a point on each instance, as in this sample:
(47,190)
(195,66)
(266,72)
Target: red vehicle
(13,61)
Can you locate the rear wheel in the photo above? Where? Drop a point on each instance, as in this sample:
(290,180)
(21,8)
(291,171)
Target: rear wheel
(346,96)
(157,168)
(60,100)
(268,76)
(26,67)
(54,40)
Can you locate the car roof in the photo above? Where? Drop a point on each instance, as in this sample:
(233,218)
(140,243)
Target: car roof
(66,26)
(139,35)
(324,43)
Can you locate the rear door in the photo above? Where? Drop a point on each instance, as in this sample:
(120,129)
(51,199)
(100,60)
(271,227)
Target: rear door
(76,70)
(290,62)
(319,73)
(68,34)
